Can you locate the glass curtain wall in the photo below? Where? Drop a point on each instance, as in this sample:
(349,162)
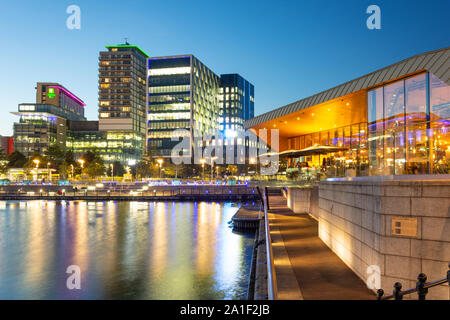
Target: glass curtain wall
(408,127)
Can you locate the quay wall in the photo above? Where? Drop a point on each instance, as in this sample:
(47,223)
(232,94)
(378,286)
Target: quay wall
(386,231)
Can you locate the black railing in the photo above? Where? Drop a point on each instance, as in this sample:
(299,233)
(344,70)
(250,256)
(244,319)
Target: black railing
(421,288)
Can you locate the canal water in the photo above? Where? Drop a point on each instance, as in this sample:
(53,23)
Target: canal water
(124,250)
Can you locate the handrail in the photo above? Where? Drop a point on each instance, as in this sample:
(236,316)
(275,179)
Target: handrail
(271,278)
(421,287)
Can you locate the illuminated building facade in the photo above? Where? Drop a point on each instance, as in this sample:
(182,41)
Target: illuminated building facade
(44,123)
(122,99)
(393,121)
(84,136)
(182,94)
(237,104)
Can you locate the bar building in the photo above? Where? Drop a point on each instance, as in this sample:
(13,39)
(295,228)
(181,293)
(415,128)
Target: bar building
(182,94)
(44,123)
(385,204)
(122,101)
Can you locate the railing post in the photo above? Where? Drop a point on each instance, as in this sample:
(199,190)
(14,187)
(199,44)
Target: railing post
(420,286)
(380,293)
(448,274)
(397,291)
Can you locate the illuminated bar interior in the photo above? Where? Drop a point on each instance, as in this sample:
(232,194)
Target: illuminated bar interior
(398,127)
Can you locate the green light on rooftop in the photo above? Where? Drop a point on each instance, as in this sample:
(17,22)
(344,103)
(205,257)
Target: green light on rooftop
(129,46)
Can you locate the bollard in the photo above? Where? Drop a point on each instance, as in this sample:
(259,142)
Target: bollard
(420,286)
(397,291)
(380,293)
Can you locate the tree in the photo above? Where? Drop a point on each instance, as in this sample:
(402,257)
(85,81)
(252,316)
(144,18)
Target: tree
(3,162)
(16,160)
(95,169)
(143,169)
(55,154)
(118,169)
(94,164)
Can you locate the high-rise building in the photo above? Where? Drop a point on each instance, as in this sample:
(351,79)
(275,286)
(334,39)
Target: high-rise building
(182,94)
(44,123)
(122,100)
(237,103)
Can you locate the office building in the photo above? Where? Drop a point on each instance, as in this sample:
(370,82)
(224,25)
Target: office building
(182,94)
(122,100)
(44,123)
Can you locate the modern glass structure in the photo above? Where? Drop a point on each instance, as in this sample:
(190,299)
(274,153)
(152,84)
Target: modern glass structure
(237,104)
(122,96)
(84,136)
(44,123)
(393,121)
(182,94)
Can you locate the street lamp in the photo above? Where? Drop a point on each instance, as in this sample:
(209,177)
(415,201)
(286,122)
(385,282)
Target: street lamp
(72,170)
(212,167)
(160,161)
(36,161)
(202,161)
(112,171)
(81,161)
(48,172)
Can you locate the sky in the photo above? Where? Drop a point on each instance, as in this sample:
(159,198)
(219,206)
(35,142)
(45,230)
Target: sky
(289,50)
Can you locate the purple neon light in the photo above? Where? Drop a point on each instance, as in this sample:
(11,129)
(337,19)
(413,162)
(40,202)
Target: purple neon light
(70,94)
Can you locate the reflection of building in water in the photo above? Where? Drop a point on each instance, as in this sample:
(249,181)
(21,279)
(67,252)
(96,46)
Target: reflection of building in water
(393,121)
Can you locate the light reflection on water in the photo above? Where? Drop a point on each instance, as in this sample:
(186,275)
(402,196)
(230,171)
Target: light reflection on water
(125,250)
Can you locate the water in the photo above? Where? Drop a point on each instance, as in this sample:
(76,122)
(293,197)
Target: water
(125,250)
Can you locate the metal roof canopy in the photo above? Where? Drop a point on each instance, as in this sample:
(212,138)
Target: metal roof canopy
(436,62)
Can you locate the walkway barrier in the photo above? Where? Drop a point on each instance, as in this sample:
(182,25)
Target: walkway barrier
(271,279)
(421,288)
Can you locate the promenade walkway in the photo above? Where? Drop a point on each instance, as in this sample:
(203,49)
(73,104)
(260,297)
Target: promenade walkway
(305,267)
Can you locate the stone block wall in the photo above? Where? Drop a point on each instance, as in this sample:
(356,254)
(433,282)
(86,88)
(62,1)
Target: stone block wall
(355,221)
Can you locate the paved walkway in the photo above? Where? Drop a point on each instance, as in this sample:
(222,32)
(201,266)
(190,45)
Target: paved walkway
(305,267)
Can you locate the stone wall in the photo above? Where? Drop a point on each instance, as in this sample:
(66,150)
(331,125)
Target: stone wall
(355,221)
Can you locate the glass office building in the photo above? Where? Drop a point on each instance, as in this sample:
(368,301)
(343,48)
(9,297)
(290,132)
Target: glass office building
(182,94)
(237,104)
(84,136)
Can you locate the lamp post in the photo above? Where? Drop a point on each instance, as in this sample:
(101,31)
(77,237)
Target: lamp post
(48,171)
(202,161)
(36,161)
(81,161)
(160,161)
(212,167)
(72,170)
(112,171)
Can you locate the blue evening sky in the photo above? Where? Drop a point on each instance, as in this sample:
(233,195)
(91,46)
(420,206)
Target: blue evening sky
(288,49)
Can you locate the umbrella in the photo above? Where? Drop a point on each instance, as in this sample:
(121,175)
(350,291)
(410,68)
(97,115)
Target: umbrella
(319,149)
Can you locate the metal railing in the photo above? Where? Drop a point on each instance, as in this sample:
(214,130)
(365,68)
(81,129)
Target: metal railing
(421,288)
(271,278)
